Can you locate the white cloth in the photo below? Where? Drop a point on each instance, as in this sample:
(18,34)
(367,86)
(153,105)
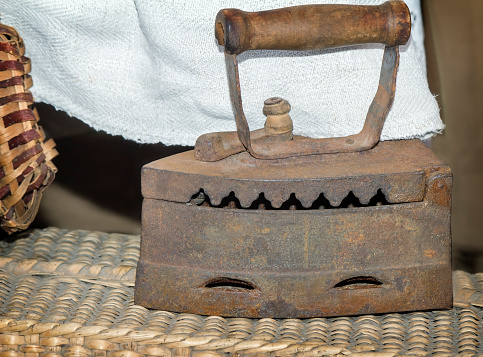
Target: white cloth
(151,71)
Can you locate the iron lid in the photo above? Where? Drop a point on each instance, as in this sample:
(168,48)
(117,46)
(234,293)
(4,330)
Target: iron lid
(397,168)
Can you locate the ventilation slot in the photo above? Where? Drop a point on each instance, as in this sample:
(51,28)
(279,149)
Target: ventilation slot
(229,283)
(359,282)
(292,203)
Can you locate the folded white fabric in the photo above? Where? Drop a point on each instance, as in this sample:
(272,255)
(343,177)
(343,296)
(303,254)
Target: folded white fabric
(151,71)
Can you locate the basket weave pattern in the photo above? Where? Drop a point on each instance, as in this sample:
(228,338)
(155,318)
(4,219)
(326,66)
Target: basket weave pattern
(25,159)
(70,293)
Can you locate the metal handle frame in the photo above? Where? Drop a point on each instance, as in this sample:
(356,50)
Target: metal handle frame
(366,139)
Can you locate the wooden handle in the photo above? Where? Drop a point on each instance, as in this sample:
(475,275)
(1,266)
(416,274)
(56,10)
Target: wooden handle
(310,27)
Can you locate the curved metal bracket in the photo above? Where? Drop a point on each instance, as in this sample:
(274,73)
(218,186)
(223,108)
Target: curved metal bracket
(216,146)
(366,139)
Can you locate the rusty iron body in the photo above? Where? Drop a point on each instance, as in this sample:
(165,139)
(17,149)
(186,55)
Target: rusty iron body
(231,254)
(268,224)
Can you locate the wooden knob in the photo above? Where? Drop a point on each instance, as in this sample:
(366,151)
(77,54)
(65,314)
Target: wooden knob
(278,120)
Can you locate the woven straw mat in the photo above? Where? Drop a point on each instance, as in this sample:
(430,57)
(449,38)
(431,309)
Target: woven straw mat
(70,293)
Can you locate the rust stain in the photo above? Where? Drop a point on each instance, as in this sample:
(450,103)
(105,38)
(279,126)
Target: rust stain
(429,253)
(306,249)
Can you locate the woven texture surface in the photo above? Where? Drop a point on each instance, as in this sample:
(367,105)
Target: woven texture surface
(71,293)
(25,157)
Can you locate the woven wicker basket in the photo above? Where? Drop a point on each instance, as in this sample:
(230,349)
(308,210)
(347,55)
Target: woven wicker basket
(25,159)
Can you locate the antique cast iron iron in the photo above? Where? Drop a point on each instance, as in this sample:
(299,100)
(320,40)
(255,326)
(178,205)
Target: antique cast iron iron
(268,224)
